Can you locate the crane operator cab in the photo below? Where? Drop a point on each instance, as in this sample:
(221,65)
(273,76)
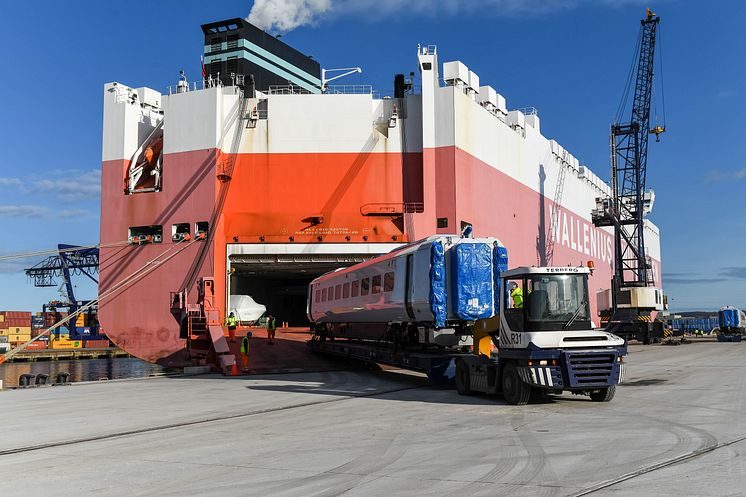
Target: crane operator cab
(546,343)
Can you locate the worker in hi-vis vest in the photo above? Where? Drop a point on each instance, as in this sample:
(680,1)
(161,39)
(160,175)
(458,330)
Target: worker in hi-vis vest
(245,352)
(271,327)
(231,322)
(516,293)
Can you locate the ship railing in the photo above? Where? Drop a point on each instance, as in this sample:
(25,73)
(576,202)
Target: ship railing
(351,90)
(330,90)
(428,49)
(287,90)
(529,111)
(195,85)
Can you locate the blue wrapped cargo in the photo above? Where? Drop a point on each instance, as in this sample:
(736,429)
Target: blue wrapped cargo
(731,323)
(728,317)
(500,262)
(438,284)
(472,280)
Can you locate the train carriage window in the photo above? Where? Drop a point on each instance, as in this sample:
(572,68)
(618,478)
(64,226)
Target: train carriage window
(355,288)
(346,291)
(318,296)
(323,295)
(365,286)
(337,292)
(388,282)
(376,284)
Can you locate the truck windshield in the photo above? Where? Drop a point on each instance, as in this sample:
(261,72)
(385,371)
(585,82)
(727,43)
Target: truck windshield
(557,298)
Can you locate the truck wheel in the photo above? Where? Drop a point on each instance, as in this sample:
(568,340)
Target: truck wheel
(515,391)
(604,394)
(463,378)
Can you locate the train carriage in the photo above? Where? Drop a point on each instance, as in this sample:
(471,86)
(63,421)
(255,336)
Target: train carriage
(430,291)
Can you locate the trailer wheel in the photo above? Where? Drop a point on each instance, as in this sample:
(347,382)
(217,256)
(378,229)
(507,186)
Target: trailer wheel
(463,378)
(604,394)
(515,390)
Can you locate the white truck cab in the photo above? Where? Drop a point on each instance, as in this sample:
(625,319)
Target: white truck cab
(546,343)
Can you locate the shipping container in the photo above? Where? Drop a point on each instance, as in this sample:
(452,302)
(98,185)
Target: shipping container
(97,344)
(65,344)
(20,330)
(37,345)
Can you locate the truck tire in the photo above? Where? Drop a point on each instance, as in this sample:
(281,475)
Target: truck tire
(515,391)
(604,394)
(463,378)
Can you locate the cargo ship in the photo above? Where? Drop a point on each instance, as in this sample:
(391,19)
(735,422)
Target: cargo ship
(263,176)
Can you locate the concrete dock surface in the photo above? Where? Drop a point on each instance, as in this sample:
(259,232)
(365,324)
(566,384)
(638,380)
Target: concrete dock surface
(677,427)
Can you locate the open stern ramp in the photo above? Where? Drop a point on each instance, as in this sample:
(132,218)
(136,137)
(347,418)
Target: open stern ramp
(277,275)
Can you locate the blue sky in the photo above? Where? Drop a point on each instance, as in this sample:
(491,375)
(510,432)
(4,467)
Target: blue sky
(568,58)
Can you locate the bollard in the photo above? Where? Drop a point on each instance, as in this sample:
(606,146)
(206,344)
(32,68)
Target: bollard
(61,378)
(25,380)
(41,379)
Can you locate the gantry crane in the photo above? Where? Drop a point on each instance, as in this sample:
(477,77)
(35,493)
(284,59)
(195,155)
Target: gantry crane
(633,297)
(70,260)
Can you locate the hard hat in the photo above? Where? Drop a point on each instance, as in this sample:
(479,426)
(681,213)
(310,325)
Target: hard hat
(248,334)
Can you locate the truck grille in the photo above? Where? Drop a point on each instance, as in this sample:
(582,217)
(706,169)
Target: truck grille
(591,368)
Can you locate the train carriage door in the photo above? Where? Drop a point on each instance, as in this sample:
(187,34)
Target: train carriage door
(409,287)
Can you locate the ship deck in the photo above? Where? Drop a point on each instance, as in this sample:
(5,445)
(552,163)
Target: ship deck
(675,428)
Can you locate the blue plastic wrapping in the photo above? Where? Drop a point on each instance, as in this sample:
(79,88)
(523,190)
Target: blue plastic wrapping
(729,318)
(471,274)
(438,284)
(499,264)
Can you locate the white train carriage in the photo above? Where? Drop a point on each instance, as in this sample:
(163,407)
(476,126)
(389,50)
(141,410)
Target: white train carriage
(430,291)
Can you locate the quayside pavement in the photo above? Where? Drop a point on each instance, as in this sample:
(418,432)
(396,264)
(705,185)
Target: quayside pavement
(677,427)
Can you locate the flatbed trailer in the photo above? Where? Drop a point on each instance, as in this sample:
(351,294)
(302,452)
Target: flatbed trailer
(438,365)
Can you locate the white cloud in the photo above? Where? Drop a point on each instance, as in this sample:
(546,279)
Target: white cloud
(10,182)
(28,211)
(72,213)
(718,175)
(68,184)
(71,185)
(24,211)
(285,15)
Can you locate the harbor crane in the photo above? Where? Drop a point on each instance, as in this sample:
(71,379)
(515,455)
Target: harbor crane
(70,260)
(634,297)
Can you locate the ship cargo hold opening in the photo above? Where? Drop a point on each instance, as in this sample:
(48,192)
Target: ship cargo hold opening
(278,278)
